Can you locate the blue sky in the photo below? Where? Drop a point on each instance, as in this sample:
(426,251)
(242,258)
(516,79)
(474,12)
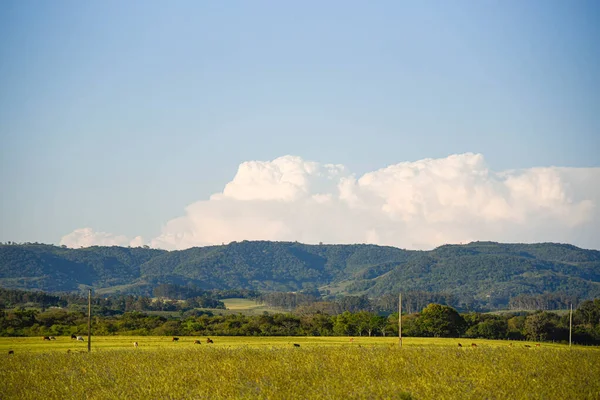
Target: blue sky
(117,115)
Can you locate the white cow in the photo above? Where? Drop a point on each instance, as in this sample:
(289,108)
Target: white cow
(135,344)
(80,338)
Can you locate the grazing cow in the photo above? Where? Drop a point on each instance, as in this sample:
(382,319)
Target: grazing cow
(52,338)
(73,336)
(11,352)
(459,345)
(351,340)
(537,345)
(46,337)
(69,350)
(175,339)
(135,344)
(473,344)
(80,339)
(209,340)
(296,345)
(527,345)
(197,342)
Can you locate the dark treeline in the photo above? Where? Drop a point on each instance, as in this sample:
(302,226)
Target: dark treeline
(172,297)
(435,320)
(412,302)
(167,298)
(306,303)
(542,302)
(179,292)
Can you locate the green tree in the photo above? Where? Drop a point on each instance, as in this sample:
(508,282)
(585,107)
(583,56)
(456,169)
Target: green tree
(589,312)
(538,326)
(368,322)
(345,324)
(441,321)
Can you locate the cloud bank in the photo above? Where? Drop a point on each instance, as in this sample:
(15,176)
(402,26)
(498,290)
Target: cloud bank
(413,205)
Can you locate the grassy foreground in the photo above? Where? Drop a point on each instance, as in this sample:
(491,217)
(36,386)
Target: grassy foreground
(272,368)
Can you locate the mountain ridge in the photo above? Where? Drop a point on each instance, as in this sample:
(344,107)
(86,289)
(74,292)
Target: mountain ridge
(487,271)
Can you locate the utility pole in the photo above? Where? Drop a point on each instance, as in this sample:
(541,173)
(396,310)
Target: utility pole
(400,318)
(570,324)
(89,320)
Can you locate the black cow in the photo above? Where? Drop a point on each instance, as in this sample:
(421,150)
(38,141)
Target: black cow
(175,339)
(73,336)
(459,345)
(209,340)
(296,345)
(197,342)
(11,352)
(46,337)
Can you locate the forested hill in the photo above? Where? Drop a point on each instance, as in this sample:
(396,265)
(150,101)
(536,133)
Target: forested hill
(482,270)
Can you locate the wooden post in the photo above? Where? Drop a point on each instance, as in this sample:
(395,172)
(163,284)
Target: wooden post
(400,318)
(89,320)
(570,324)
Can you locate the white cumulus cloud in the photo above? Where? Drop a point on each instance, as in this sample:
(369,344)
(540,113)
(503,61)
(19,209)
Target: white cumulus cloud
(86,237)
(416,205)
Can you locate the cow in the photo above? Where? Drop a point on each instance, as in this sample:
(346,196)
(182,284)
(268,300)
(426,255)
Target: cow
(351,340)
(52,338)
(45,337)
(175,339)
(459,345)
(11,352)
(197,342)
(209,340)
(510,345)
(80,339)
(135,344)
(537,345)
(73,336)
(473,344)
(527,345)
(296,345)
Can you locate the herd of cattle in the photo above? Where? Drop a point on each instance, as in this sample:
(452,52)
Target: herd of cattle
(78,338)
(209,340)
(509,345)
(176,339)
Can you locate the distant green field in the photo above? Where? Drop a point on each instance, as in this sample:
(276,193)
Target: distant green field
(247,306)
(273,368)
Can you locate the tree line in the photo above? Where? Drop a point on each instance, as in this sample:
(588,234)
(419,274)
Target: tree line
(168,298)
(412,302)
(435,320)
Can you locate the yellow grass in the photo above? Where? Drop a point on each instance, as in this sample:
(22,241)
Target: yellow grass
(271,367)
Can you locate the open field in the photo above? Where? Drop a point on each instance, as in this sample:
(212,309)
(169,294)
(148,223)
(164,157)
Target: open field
(247,307)
(271,367)
(104,343)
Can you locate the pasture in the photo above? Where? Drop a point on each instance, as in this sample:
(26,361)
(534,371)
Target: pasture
(271,367)
(246,306)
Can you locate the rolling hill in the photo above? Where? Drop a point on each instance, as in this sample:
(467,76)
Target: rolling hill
(479,270)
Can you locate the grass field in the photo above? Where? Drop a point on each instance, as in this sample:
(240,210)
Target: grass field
(271,367)
(247,306)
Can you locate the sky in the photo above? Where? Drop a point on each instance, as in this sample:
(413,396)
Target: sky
(190,123)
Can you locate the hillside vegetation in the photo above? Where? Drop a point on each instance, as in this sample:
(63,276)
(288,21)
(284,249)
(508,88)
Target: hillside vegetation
(494,272)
